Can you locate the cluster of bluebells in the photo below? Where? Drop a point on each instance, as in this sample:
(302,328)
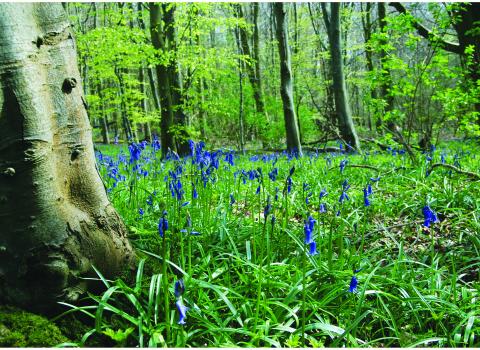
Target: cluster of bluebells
(367,192)
(204,165)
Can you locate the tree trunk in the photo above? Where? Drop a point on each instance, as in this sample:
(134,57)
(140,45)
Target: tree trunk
(345,121)
(386,75)
(253,71)
(103,117)
(147,134)
(241,67)
(367,33)
(56,218)
(180,118)
(158,41)
(286,81)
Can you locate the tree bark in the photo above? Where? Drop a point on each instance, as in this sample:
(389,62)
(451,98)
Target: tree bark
(180,118)
(167,137)
(386,75)
(56,218)
(147,133)
(345,121)
(367,33)
(286,81)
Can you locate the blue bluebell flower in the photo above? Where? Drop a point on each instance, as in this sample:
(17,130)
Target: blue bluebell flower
(135,152)
(179,288)
(289,184)
(273,219)
(273,174)
(313,248)
(343,197)
(191,145)
(308,229)
(194,191)
(430,216)
(232,199)
(156,143)
(267,208)
(323,193)
(292,170)
(258,190)
(353,284)
(322,208)
(375,179)
(182,310)
(367,192)
(343,163)
(307,197)
(163,224)
(276,193)
(140,211)
(229,158)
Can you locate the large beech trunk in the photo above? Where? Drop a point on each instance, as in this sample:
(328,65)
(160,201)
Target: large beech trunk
(56,220)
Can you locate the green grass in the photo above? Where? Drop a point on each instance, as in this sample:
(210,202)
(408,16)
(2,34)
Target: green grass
(252,283)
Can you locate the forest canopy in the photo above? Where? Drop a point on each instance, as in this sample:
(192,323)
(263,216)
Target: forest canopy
(212,71)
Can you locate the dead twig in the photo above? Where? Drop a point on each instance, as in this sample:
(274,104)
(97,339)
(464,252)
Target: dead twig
(469,174)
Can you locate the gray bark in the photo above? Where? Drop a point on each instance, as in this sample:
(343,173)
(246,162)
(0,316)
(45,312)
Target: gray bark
(286,81)
(55,215)
(344,115)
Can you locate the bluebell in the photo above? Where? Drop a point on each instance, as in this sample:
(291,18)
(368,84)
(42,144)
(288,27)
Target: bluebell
(182,310)
(353,284)
(313,248)
(429,215)
(179,288)
(163,224)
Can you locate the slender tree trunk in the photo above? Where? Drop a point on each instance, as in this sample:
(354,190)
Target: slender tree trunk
(260,103)
(103,117)
(286,81)
(241,68)
(386,75)
(147,134)
(127,127)
(163,77)
(367,33)
(253,71)
(179,116)
(345,121)
(56,218)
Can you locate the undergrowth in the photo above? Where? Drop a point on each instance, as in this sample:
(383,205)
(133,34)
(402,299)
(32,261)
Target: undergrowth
(357,250)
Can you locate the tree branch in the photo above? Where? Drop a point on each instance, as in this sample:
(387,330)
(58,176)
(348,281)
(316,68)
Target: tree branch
(469,174)
(427,33)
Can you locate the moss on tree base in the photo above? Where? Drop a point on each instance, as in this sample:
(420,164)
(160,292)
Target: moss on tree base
(20,328)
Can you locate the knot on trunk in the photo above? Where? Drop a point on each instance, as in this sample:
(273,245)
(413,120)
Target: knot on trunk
(68,85)
(9,172)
